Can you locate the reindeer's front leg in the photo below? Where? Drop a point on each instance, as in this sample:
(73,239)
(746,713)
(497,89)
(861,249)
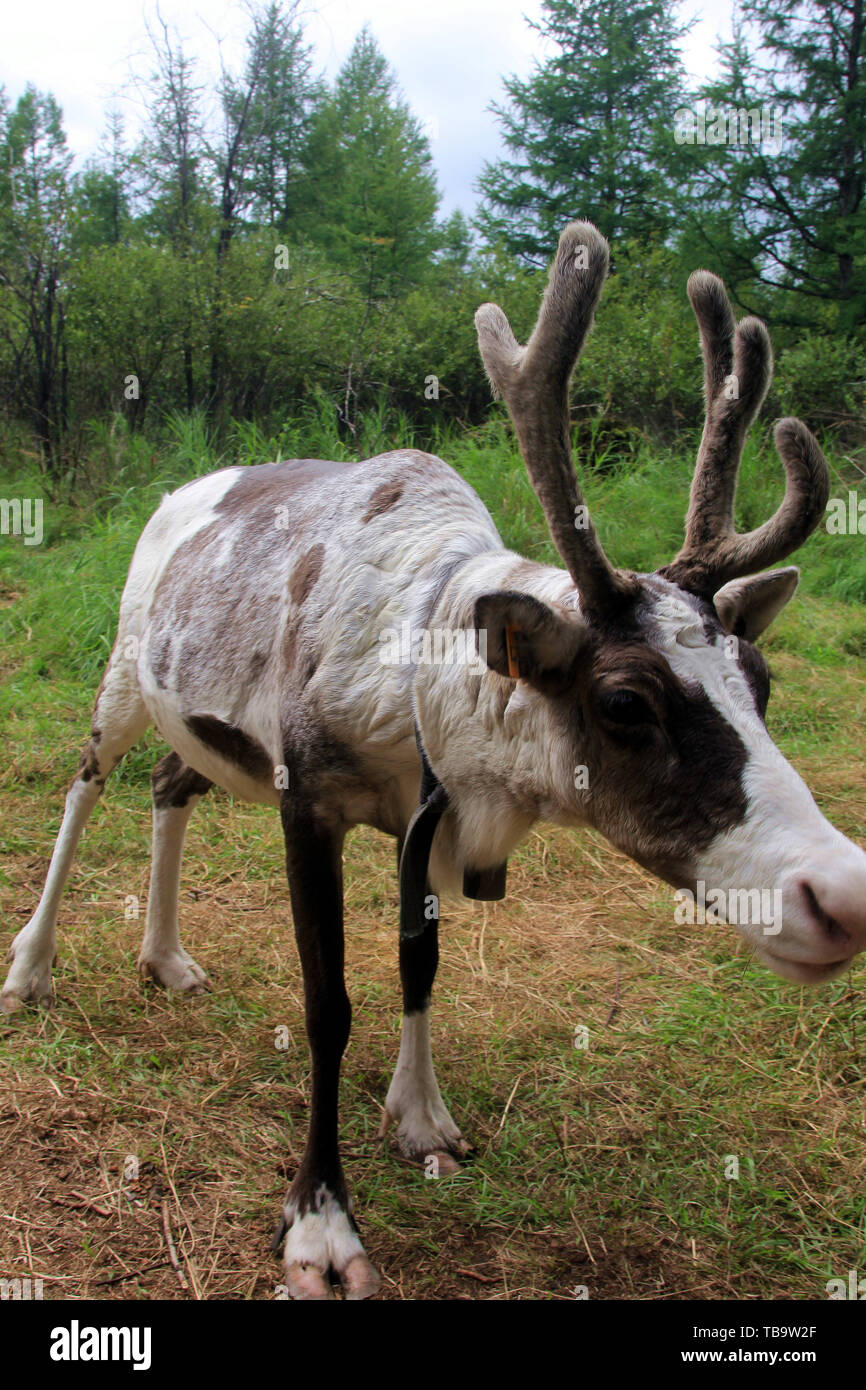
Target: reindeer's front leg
(425,1129)
(322,1236)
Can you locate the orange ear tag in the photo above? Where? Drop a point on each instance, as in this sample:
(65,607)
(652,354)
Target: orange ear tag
(511,652)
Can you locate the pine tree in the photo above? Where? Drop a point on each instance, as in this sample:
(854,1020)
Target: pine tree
(171,161)
(266,114)
(284,99)
(102,192)
(370,202)
(370,194)
(173,166)
(34,255)
(590,132)
(787,211)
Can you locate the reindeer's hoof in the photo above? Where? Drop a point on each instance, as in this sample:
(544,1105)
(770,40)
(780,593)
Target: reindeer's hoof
(439,1164)
(28,982)
(360,1279)
(177,972)
(429,1140)
(321,1242)
(10,1002)
(307,1282)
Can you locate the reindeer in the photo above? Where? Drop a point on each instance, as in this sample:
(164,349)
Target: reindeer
(249,634)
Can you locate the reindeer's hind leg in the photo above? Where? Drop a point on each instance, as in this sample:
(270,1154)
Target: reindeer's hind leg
(119,719)
(176,789)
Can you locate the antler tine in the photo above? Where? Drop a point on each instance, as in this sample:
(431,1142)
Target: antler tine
(805,501)
(534,382)
(737,372)
(737,368)
(716,323)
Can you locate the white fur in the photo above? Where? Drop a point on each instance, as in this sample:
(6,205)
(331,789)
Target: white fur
(34,947)
(162,956)
(489,743)
(784,839)
(179,516)
(414,1100)
(323,1238)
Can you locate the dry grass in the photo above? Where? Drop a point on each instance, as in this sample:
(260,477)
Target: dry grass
(601,1167)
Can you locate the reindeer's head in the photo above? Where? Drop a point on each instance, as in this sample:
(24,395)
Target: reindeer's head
(652,682)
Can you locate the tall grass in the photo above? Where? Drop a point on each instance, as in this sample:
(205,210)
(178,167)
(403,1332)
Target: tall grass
(68,588)
(601,1167)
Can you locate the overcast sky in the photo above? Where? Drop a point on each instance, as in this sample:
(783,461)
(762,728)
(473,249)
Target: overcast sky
(449,57)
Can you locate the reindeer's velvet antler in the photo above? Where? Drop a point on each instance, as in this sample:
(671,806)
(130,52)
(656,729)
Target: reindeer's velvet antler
(737,373)
(534,382)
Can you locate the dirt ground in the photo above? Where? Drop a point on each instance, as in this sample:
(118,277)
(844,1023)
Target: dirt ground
(146,1140)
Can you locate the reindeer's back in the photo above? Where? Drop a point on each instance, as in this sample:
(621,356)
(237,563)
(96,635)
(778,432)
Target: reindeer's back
(261,596)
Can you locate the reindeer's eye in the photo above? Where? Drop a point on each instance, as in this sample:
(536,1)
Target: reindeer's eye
(625,707)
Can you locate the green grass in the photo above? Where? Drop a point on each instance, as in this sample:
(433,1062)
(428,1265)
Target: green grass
(604,1167)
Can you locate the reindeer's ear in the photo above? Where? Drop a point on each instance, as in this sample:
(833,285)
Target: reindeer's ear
(521,637)
(746,606)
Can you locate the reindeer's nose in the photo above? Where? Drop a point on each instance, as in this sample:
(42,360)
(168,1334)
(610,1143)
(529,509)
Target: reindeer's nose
(824,913)
(828,928)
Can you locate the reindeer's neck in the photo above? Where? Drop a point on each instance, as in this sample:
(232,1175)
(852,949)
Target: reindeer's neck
(487,738)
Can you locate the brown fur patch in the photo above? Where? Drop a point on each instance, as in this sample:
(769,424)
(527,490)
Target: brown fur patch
(88,766)
(386,496)
(305,573)
(231,743)
(160,660)
(173,782)
(290,644)
(661,790)
(268,485)
(214,617)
